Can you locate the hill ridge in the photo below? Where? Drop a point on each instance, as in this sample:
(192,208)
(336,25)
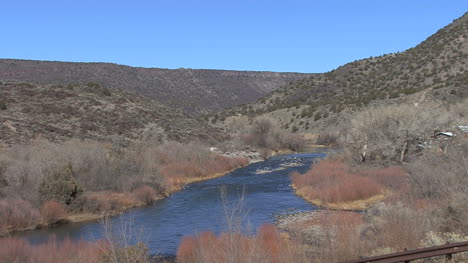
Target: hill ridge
(438,64)
(195,91)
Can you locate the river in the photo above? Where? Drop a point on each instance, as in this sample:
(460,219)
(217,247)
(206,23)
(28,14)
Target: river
(265,187)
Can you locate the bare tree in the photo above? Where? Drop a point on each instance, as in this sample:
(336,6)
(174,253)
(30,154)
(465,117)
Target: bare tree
(388,130)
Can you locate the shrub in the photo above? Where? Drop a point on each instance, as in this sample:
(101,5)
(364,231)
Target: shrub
(91,205)
(260,130)
(106,92)
(317,116)
(51,212)
(182,170)
(3,105)
(266,134)
(391,177)
(331,181)
(137,253)
(19,250)
(145,194)
(109,202)
(294,142)
(328,139)
(17,214)
(60,186)
(265,246)
(397,226)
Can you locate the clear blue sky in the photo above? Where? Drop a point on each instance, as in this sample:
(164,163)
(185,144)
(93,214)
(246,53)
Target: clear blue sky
(289,35)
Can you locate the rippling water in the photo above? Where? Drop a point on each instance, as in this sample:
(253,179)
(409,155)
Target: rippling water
(199,207)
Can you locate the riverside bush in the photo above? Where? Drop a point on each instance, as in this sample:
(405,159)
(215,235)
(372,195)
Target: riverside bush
(51,212)
(265,133)
(17,214)
(3,105)
(19,250)
(266,246)
(145,194)
(94,177)
(60,186)
(331,181)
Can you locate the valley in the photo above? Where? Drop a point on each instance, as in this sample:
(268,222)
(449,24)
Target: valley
(102,162)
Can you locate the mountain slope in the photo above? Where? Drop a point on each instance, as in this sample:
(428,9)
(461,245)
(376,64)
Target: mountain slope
(435,69)
(90,111)
(193,91)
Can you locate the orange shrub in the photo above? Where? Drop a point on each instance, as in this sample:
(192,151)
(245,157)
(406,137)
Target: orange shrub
(223,164)
(109,201)
(331,181)
(182,169)
(52,211)
(186,251)
(18,250)
(265,246)
(178,173)
(145,194)
(269,239)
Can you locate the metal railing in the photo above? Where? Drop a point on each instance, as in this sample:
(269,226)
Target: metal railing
(407,256)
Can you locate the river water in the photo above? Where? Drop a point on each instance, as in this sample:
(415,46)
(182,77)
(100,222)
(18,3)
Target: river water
(264,186)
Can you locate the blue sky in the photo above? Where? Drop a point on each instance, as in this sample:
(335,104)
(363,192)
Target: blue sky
(293,35)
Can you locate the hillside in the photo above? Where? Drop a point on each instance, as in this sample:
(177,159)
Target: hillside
(192,90)
(436,69)
(56,112)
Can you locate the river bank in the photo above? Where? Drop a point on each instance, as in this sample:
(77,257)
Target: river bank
(198,207)
(115,197)
(355,205)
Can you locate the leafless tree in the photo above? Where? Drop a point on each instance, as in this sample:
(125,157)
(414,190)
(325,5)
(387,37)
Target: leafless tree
(388,130)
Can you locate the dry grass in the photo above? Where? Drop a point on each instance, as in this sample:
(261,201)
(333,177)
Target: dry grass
(77,218)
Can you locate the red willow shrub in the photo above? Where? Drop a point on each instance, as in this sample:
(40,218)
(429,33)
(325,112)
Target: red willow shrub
(205,246)
(96,202)
(52,211)
(270,240)
(179,172)
(53,251)
(265,246)
(182,170)
(192,169)
(331,181)
(186,250)
(145,194)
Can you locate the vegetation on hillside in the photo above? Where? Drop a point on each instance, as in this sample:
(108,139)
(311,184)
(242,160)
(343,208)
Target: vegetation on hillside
(436,69)
(91,111)
(194,91)
(386,113)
